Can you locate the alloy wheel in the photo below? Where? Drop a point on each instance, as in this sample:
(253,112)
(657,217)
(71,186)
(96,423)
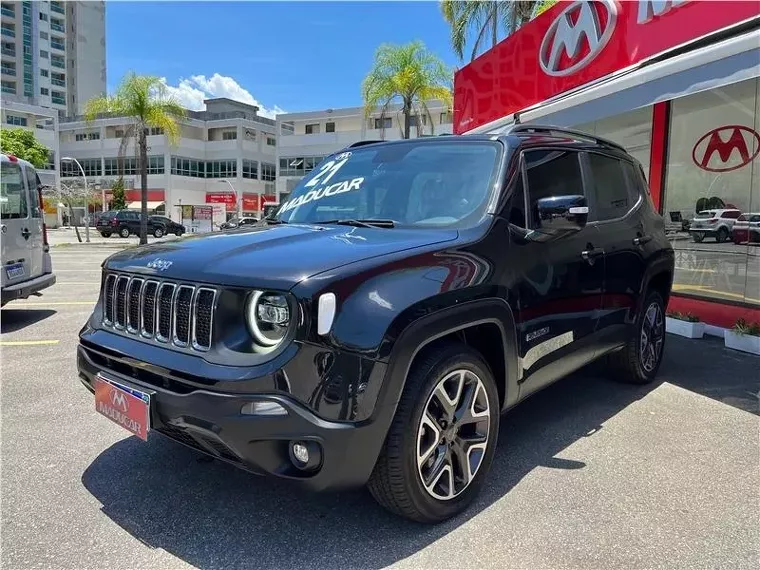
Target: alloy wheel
(453,434)
(652,337)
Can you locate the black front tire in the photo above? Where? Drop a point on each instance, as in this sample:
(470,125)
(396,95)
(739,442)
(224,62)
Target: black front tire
(105,234)
(178,233)
(627,363)
(158,232)
(722,235)
(395,482)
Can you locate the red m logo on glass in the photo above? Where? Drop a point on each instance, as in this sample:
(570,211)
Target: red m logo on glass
(734,145)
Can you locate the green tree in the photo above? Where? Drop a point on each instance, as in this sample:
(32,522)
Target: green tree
(118,201)
(411,74)
(23,144)
(483,19)
(145,101)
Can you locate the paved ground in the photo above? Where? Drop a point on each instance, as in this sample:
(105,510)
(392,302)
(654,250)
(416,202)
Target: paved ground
(588,474)
(62,237)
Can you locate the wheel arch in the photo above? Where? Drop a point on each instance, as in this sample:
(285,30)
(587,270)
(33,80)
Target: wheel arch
(658,277)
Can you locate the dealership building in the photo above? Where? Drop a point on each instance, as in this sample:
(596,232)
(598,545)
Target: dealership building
(676,83)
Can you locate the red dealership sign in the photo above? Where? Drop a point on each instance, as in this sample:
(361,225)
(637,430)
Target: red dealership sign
(726,148)
(575,43)
(227,198)
(250,202)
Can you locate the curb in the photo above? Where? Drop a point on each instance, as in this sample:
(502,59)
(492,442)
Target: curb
(91,245)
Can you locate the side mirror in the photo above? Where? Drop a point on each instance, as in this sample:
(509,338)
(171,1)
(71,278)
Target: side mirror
(561,215)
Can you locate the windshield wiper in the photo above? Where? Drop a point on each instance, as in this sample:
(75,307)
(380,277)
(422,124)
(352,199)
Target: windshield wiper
(367,223)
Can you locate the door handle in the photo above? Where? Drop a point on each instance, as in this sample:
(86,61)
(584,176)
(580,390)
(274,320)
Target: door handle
(26,233)
(591,254)
(641,240)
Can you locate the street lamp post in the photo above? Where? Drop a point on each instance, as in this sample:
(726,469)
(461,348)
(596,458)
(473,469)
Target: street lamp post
(238,199)
(86,200)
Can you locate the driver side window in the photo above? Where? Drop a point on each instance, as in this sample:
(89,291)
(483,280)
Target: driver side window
(551,172)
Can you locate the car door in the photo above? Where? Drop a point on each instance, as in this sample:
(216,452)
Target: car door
(15,221)
(36,213)
(616,210)
(559,283)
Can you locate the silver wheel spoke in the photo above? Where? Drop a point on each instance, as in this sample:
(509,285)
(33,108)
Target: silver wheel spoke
(441,469)
(442,392)
(434,431)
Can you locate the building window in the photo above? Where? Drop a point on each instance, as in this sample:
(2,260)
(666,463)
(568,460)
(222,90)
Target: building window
(43,17)
(58,79)
(329,127)
(57,43)
(155,131)
(8,87)
(221,169)
(91,167)
(44,91)
(57,7)
(44,73)
(271,141)
(57,25)
(229,135)
(119,133)
(14,120)
(446,118)
(8,68)
(383,123)
(8,30)
(92,136)
(414,120)
(312,129)
(43,54)
(249,134)
(250,169)
(8,9)
(299,166)
(188,167)
(713,165)
(155,165)
(9,48)
(268,172)
(43,35)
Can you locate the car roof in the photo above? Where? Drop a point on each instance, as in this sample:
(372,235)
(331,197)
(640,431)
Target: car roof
(6,158)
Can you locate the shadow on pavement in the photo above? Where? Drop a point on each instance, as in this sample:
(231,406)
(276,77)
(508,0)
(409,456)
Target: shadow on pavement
(12,320)
(708,368)
(212,515)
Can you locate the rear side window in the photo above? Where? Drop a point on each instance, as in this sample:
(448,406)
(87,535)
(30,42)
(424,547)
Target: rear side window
(611,196)
(731,215)
(755,219)
(13,204)
(551,173)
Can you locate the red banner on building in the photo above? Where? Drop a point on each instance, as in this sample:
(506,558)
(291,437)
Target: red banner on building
(135,195)
(575,43)
(227,198)
(268,198)
(250,202)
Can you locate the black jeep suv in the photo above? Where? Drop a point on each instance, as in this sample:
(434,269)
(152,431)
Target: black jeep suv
(375,328)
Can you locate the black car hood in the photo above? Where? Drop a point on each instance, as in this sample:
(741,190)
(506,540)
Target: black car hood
(275,257)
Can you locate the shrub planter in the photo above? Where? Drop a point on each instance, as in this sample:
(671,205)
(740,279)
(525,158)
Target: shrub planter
(744,342)
(684,328)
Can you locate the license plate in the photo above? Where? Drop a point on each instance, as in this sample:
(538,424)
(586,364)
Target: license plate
(15,271)
(123,405)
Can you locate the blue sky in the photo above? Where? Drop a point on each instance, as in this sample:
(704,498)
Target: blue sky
(295,56)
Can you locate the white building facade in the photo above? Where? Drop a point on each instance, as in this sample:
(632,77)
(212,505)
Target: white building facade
(225,155)
(53,53)
(304,139)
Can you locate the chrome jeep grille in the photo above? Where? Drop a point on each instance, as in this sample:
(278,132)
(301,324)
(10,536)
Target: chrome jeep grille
(179,314)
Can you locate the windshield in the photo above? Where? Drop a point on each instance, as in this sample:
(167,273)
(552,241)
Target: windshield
(414,183)
(705,214)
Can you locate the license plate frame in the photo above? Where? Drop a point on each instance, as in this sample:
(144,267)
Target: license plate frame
(15,271)
(127,407)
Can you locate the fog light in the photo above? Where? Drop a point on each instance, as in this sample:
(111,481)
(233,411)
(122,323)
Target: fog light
(263,408)
(305,455)
(300,452)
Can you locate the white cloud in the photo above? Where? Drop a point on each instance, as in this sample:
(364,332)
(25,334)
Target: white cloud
(191,93)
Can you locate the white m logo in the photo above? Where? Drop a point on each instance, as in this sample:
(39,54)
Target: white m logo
(118,400)
(592,21)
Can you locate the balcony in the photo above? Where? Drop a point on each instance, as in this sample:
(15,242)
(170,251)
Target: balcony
(57,7)
(57,28)
(58,100)
(8,71)
(8,89)
(58,82)
(56,45)
(58,63)
(8,12)
(11,33)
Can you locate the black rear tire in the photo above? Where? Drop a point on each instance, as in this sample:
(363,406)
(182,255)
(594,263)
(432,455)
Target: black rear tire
(629,364)
(124,232)
(158,232)
(722,235)
(105,234)
(396,482)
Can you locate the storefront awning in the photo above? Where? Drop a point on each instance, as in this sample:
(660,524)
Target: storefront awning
(709,67)
(137,205)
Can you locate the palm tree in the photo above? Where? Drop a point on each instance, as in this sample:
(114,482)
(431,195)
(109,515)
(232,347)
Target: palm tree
(483,17)
(410,73)
(145,101)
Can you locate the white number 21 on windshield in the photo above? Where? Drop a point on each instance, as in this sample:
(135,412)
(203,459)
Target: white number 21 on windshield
(327,171)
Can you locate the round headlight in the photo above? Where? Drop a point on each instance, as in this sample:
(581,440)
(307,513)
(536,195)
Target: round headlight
(268,317)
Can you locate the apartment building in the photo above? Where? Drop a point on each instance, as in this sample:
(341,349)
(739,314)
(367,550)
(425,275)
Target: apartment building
(225,155)
(53,53)
(44,123)
(304,139)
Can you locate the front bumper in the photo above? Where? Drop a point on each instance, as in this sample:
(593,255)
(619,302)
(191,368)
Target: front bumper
(24,289)
(212,423)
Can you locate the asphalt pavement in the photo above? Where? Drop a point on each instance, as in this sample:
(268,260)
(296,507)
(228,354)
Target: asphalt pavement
(588,473)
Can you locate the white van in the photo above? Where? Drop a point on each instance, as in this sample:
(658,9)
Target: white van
(26,264)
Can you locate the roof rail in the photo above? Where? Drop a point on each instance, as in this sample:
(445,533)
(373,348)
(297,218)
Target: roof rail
(549,129)
(362,143)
